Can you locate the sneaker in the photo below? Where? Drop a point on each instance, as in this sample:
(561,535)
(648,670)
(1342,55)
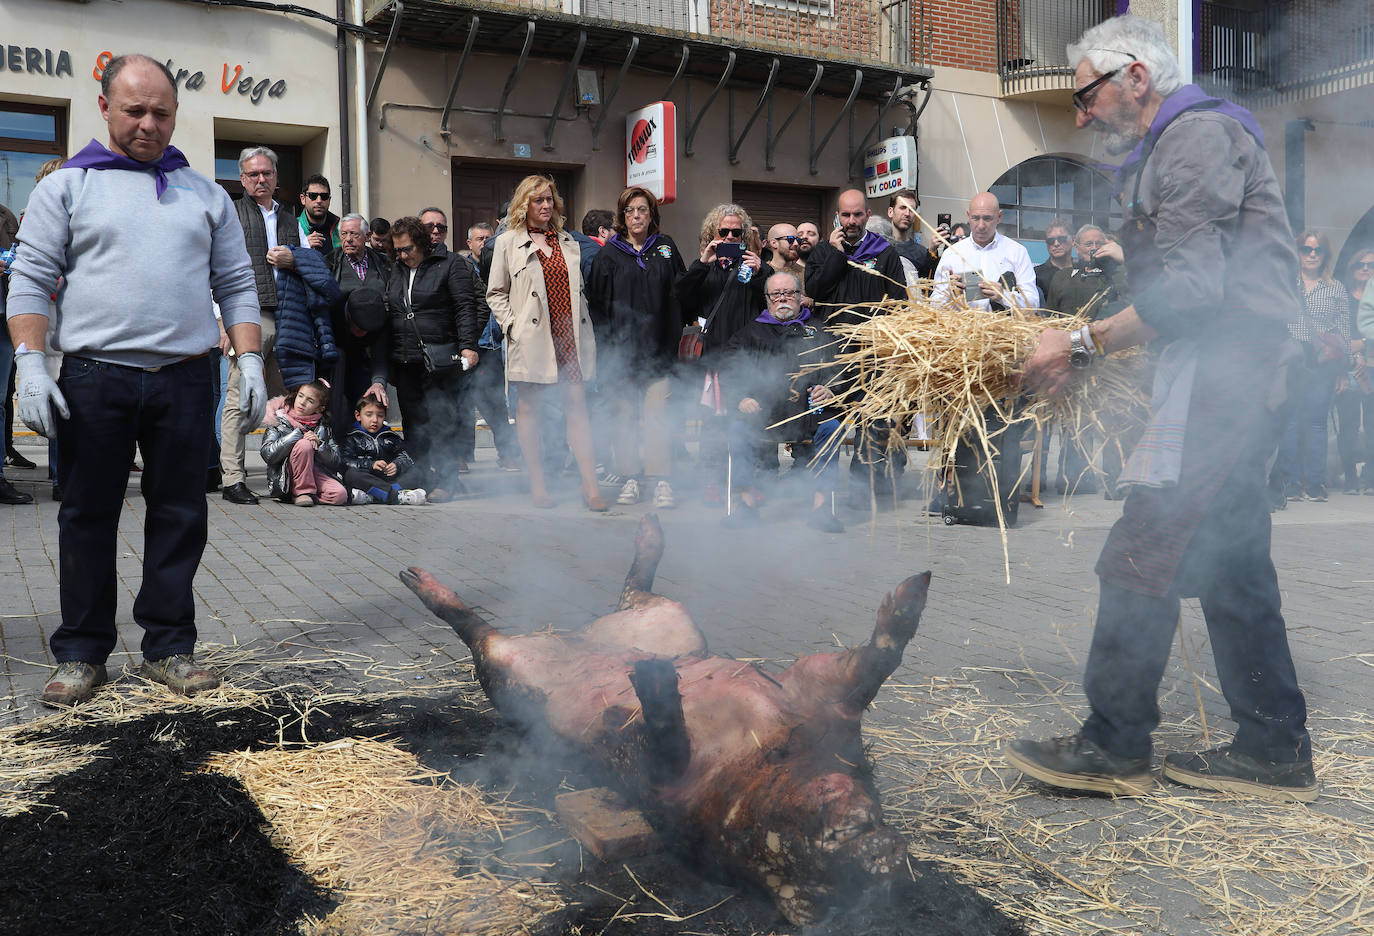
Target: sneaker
(15,460)
(821,518)
(508,464)
(72,683)
(411,498)
(1076,763)
(629,494)
(1224,769)
(9,494)
(304,500)
(1316,492)
(358,498)
(742,516)
(663,496)
(180,674)
(1293,493)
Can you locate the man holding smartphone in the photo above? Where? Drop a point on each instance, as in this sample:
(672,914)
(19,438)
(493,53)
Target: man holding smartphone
(1003,265)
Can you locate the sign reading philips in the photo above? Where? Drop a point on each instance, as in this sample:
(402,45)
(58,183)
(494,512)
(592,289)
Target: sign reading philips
(651,150)
(890,166)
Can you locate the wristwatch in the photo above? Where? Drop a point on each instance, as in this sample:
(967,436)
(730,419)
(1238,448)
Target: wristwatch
(1080,356)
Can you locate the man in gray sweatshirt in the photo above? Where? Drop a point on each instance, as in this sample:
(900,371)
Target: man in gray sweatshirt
(135,245)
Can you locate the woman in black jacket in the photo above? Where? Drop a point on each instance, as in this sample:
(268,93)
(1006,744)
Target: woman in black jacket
(426,350)
(725,288)
(638,322)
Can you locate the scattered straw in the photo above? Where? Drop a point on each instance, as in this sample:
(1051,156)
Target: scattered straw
(390,838)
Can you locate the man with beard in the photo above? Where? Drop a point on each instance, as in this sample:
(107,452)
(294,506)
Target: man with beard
(844,276)
(906,236)
(1213,273)
(808,236)
(319,226)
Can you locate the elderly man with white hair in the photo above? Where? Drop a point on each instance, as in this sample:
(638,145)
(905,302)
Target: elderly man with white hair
(1212,268)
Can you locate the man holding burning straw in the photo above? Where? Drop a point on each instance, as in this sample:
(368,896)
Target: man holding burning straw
(1210,256)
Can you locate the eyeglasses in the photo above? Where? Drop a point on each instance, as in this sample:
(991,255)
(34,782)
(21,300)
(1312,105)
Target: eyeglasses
(730,232)
(639,210)
(1363,265)
(1311,251)
(777,294)
(1083,98)
(790,238)
(436,226)
(317,196)
(263,174)
(1057,239)
(405,251)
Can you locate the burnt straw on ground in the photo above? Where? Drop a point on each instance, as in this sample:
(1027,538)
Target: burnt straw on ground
(141,840)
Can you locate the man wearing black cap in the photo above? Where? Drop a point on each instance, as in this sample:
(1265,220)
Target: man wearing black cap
(362,274)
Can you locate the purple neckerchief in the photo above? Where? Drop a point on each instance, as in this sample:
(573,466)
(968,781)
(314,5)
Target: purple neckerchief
(1186,98)
(767,318)
(96,156)
(625,246)
(868,248)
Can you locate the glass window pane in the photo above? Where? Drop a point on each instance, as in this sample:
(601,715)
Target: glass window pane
(1037,183)
(1005,187)
(16,177)
(227,168)
(1075,187)
(1009,224)
(22,125)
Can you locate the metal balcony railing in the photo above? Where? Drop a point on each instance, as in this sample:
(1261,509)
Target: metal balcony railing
(1285,51)
(892,33)
(1032,36)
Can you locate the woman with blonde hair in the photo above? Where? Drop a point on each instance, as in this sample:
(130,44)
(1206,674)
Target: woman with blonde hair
(1324,331)
(535,292)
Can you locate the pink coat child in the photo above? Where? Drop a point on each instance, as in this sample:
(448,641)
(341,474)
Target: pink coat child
(300,452)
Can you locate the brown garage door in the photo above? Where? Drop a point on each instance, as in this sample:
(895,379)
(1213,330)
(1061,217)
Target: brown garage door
(775,204)
(479,189)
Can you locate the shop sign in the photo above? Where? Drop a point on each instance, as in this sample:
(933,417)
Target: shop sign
(57,63)
(651,150)
(890,166)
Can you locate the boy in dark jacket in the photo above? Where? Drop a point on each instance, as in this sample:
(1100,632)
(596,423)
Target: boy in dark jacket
(376,458)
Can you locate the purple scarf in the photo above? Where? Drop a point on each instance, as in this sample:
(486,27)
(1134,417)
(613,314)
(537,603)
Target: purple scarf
(1186,98)
(868,248)
(96,156)
(767,318)
(625,246)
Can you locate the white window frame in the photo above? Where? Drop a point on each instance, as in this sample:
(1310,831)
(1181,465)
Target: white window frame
(818,7)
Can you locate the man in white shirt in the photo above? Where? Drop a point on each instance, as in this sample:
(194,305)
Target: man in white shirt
(999,261)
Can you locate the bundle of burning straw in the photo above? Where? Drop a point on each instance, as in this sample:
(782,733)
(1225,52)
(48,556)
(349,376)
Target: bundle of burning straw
(960,368)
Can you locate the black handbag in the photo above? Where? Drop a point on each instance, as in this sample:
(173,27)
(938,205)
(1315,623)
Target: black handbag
(437,356)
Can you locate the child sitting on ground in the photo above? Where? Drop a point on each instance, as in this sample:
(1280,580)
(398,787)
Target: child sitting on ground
(301,455)
(376,457)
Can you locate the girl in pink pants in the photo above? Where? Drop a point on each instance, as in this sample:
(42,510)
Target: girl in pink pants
(301,454)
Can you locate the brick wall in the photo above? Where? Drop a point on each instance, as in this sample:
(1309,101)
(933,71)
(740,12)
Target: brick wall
(854,30)
(963,34)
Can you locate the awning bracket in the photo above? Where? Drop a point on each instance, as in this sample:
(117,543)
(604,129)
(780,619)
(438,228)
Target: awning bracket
(819,148)
(857,152)
(696,124)
(770,148)
(615,89)
(764,98)
(511,79)
(564,91)
(473,25)
(398,9)
(681,69)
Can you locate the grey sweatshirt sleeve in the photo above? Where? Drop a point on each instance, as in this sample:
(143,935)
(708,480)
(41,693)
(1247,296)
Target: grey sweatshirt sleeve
(42,254)
(231,269)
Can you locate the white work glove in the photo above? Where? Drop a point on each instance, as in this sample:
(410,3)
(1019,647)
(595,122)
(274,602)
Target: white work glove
(38,394)
(252,391)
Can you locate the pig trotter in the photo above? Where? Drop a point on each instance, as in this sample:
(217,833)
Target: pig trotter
(869,666)
(639,583)
(669,749)
(447,606)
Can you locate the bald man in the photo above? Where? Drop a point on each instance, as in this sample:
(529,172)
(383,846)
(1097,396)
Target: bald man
(1006,274)
(839,278)
(782,241)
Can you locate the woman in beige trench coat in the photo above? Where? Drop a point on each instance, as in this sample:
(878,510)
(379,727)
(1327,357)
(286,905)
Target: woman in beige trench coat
(535,292)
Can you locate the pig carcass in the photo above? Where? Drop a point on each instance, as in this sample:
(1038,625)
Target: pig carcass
(761,776)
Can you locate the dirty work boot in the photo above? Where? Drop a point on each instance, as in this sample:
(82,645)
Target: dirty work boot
(1076,763)
(72,683)
(180,674)
(1224,769)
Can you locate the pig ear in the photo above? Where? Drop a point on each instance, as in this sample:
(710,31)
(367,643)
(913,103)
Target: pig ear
(866,668)
(665,728)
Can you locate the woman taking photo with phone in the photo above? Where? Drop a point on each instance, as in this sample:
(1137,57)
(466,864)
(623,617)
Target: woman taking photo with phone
(535,292)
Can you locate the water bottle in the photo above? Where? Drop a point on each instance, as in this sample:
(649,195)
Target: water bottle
(746,272)
(7,257)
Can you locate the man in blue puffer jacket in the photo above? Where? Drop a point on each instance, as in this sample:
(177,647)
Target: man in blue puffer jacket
(305,297)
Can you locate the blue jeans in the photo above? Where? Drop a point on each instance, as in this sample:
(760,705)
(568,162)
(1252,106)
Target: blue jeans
(744,437)
(6,365)
(1302,453)
(167,414)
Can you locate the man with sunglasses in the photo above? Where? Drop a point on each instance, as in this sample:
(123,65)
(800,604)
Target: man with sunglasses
(436,223)
(1059,242)
(1213,273)
(319,226)
(782,241)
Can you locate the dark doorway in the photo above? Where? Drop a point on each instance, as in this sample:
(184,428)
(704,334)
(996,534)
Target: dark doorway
(480,188)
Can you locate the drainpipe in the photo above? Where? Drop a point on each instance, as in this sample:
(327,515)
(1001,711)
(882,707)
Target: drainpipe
(345,154)
(1186,39)
(360,108)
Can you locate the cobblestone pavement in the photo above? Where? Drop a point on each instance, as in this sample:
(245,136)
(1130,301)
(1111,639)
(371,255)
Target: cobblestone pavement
(326,578)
